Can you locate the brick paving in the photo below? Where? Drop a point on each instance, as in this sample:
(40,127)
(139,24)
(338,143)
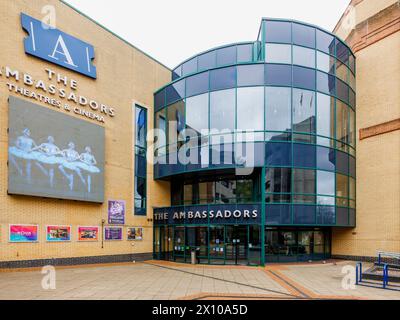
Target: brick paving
(156,280)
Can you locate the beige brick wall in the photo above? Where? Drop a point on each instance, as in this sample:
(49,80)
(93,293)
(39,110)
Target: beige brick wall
(378,158)
(125,76)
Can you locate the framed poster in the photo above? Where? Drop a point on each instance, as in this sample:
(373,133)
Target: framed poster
(112,233)
(58,233)
(23,233)
(88,234)
(116,211)
(135,233)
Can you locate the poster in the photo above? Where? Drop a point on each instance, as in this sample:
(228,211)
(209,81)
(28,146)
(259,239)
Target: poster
(23,233)
(135,233)
(88,233)
(58,233)
(116,212)
(112,233)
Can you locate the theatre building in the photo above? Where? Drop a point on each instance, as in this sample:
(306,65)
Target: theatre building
(250,153)
(270,162)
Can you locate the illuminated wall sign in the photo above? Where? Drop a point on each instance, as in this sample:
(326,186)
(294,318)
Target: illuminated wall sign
(58,47)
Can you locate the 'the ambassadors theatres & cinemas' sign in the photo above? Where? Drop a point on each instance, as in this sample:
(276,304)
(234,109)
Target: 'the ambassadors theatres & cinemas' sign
(203,214)
(56,90)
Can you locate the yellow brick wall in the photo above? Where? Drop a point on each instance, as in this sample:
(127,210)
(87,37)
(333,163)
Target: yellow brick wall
(125,76)
(378,158)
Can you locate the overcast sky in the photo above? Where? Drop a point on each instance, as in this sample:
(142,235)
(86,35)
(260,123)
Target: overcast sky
(173,30)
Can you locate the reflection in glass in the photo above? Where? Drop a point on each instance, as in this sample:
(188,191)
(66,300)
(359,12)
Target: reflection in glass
(342,125)
(303,35)
(325,62)
(303,181)
(304,56)
(222,109)
(303,111)
(176,123)
(342,186)
(326,183)
(278,31)
(278,108)
(225,191)
(325,115)
(250,108)
(278,180)
(197,115)
(278,53)
(245,53)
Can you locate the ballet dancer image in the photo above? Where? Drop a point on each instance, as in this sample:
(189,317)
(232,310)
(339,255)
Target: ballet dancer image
(71,161)
(49,157)
(88,164)
(24,149)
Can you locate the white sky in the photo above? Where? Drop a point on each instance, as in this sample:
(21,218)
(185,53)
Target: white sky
(173,30)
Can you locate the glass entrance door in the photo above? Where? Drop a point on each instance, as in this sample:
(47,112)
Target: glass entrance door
(236,239)
(166,243)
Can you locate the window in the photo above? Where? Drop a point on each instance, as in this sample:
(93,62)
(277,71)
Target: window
(161,124)
(277,31)
(278,108)
(175,92)
(342,90)
(326,183)
(176,123)
(140,160)
(197,84)
(245,53)
(304,56)
(225,191)
(304,186)
(278,53)
(279,75)
(222,109)
(226,56)
(326,83)
(342,125)
(325,62)
(303,78)
(342,71)
(250,75)
(303,111)
(207,61)
(206,192)
(189,67)
(352,128)
(244,191)
(250,109)
(159,99)
(224,78)
(278,180)
(325,115)
(325,42)
(326,158)
(342,189)
(303,35)
(197,116)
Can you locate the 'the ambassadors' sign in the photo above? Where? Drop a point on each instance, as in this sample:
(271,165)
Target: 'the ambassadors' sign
(55,46)
(203,214)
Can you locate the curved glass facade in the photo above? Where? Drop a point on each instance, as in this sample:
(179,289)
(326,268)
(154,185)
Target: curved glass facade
(290,98)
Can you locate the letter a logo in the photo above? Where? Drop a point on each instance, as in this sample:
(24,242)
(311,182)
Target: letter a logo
(64,52)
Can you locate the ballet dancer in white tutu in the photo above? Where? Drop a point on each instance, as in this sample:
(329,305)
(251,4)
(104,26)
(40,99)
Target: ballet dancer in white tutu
(49,157)
(24,150)
(71,161)
(88,163)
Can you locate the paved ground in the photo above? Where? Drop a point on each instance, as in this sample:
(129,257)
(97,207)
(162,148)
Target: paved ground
(163,280)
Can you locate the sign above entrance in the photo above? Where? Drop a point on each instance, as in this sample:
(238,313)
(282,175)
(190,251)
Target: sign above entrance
(57,47)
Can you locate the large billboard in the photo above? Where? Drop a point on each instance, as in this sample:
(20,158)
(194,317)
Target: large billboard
(53,155)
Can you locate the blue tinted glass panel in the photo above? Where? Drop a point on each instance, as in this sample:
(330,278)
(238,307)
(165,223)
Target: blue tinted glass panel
(207,61)
(326,215)
(352,64)
(278,154)
(303,78)
(326,183)
(278,53)
(325,62)
(342,162)
(303,214)
(226,56)
(223,78)
(277,214)
(304,155)
(278,105)
(177,73)
(342,215)
(352,98)
(189,67)
(279,75)
(303,109)
(277,31)
(250,75)
(197,84)
(175,92)
(303,35)
(325,83)
(140,166)
(342,90)
(325,158)
(352,167)
(245,53)
(325,42)
(159,99)
(342,52)
(304,56)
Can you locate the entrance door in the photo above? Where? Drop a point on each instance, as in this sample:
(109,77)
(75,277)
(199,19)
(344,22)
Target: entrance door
(166,248)
(236,244)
